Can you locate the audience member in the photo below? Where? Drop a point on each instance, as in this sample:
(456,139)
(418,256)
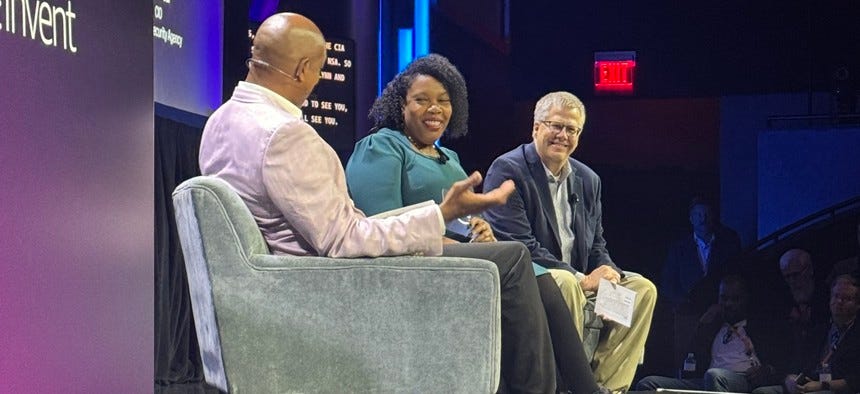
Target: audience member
(731,347)
(294,186)
(556,212)
(809,307)
(695,262)
(400,163)
(834,365)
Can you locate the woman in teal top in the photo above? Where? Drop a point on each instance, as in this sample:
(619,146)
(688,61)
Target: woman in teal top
(400,163)
(385,172)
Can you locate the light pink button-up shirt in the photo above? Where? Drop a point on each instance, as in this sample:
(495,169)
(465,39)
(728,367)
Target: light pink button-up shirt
(294,184)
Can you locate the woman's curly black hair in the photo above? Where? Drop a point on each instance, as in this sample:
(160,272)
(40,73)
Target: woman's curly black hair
(387,110)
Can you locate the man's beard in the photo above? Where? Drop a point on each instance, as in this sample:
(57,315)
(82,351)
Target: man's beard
(803,294)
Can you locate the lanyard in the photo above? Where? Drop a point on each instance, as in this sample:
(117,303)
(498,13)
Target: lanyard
(748,345)
(837,337)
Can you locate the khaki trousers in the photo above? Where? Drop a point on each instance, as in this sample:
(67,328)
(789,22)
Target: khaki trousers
(620,348)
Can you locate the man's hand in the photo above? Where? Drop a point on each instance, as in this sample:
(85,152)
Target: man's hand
(461,200)
(810,387)
(481,230)
(591,281)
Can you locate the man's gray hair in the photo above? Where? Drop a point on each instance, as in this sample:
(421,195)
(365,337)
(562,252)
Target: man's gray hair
(564,100)
(851,278)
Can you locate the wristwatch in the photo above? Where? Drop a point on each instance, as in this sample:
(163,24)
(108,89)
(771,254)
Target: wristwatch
(825,386)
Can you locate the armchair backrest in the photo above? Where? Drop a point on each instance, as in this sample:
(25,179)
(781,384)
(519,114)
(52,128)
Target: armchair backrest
(215,226)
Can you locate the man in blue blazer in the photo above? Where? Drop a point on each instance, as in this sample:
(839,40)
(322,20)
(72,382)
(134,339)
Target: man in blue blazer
(697,260)
(556,212)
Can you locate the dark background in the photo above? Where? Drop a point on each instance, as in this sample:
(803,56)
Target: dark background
(709,76)
(83,155)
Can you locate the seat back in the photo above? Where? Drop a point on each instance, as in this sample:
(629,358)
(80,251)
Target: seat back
(216,229)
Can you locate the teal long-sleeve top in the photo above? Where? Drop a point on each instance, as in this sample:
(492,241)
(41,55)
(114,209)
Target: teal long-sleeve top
(385,173)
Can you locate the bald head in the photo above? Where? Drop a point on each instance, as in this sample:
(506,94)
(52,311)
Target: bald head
(284,39)
(292,44)
(798,272)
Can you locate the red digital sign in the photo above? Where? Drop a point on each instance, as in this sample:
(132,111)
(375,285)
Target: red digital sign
(614,72)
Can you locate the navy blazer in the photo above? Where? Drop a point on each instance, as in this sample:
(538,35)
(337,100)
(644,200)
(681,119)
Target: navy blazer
(683,279)
(845,360)
(529,214)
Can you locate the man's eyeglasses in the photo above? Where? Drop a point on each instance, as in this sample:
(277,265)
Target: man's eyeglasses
(842,299)
(556,127)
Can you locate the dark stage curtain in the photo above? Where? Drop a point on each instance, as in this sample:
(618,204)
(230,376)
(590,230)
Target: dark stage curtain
(177,357)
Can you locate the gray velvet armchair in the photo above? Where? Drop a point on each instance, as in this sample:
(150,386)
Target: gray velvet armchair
(286,324)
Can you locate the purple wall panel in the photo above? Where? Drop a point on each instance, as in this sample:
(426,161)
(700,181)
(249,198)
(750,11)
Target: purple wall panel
(76,190)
